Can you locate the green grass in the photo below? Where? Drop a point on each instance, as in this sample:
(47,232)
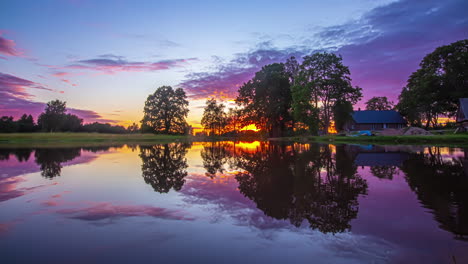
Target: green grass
(83,139)
(451,139)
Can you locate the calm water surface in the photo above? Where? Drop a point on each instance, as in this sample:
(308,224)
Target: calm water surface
(229,202)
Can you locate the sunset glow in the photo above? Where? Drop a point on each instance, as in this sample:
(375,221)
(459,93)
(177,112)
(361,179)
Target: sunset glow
(104,66)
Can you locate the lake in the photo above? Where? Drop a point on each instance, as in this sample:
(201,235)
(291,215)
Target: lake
(234,202)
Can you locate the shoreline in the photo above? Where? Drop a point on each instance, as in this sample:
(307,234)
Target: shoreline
(97,139)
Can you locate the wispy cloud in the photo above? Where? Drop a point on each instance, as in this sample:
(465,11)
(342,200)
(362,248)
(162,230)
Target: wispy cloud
(8,47)
(111,64)
(16,99)
(382,48)
(18,87)
(225,80)
(109,211)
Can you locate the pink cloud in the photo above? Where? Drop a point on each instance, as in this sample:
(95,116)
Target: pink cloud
(109,211)
(17,87)
(8,47)
(111,64)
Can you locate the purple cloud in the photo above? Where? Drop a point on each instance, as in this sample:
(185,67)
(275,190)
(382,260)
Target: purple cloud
(382,49)
(110,64)
(15,100)
(109,211)
(386,45)
(17,87)
(7,47)
(224,82)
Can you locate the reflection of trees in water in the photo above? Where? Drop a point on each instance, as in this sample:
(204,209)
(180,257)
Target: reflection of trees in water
(441,185)
(50,160)
(384,172)
(164,166)
(22,154)
(214,155)
(301,182)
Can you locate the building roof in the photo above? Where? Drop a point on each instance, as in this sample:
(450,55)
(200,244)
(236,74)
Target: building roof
(378,117)
(462,114)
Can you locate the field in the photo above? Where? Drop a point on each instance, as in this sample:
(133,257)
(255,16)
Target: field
(96,139)
(83,139)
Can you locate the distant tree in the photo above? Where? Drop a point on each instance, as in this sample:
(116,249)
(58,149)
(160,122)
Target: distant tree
(26,124)
(7,124)
(72,123)
(434,89)
(234,120)
(266,99)
(214,118)
(328,81)
(97,127)
(133,128)
(165,111)
(379,103)
(342,113)
(53,117)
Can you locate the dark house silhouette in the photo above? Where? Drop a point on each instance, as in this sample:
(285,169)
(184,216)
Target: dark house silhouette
(375,120)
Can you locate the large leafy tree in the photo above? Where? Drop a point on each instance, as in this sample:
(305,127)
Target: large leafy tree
(379,103)
(434,89)
(266,99)
(54,118)
(323,81)
(214,118)
(165,111)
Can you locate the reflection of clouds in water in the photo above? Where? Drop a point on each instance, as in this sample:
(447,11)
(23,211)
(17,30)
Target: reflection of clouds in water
(223,201)
(109,212)
(9,188)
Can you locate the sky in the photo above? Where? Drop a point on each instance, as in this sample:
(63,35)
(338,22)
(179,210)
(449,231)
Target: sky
(105,57)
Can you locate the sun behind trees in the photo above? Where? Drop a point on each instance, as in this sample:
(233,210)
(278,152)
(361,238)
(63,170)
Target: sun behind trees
(283,99)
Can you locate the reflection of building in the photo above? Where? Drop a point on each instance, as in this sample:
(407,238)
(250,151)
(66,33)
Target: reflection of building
(375,120)
(376,155)
(381,159)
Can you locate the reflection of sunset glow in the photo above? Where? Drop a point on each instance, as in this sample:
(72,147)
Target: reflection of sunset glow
(250,127)
(248,145)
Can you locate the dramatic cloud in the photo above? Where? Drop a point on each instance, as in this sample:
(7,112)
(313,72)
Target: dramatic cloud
(224,82)
(387,44)
(108,211)
(7,47)
(382,48)
(110,64)
(15,100)
(16,86)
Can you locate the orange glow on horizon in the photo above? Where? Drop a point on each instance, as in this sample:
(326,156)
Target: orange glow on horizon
(252,127)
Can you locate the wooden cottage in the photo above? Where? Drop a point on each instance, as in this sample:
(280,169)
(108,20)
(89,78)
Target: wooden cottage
(375,120)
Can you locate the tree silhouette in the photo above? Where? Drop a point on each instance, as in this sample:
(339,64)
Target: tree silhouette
(165,111)
(164,166)
(267,99)
(50,159)
(379,103)
(441,185)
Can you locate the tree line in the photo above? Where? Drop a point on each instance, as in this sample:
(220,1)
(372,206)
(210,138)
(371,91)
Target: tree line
(56,119)
(286,98)
(290,98)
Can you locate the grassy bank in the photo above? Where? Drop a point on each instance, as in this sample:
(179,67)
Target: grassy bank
(83,139)
(450,139)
